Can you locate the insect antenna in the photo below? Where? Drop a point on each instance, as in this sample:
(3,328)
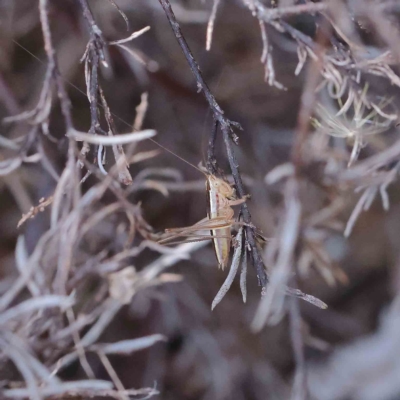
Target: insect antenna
(101,105)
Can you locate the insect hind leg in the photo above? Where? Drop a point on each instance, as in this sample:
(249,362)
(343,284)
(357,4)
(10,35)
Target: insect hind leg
(239,201)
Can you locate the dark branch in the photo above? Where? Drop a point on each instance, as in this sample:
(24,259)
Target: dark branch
(228,135)
(95,33)
(53,71)
(211,159)
(94,53)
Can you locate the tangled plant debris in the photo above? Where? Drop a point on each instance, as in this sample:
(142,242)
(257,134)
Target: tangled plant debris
(86,182)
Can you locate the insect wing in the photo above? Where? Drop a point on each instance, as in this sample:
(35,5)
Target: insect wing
(222,236)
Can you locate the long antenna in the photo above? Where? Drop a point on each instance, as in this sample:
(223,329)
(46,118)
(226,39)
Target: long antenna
(115,115)
(176,155)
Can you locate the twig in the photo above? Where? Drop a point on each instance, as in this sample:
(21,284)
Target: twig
(210,25)
(118,151)
(271,306)
(299,390)
(228,135)
(79,348)
(43,203)
(23,368)
(237,255)
(93,54)
(123,15)
(141,110)
(31,305)
(385,29)
(243,274)
(308,99)
(279,12)
(81,389)
(111,308)
(266,59)
(113,375)
(211,159)
(130,346)
(95,32)
(52,67)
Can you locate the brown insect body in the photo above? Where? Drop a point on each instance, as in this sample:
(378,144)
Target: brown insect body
(218,195)
(220,198)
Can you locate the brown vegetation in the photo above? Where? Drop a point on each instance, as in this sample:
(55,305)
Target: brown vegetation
(107,108)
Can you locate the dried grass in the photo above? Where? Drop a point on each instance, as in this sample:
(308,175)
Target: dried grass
(98,254)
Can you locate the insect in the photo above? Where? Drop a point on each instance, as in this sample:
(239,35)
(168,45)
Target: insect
(221,197)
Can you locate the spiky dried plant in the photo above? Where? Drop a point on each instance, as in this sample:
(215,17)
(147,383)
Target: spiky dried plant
(93,256)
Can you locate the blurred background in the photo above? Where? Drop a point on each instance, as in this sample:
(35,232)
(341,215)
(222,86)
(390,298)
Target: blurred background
(351,349)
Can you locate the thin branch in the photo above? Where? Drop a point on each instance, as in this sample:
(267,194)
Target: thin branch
(211,159)
(237,255)
(95,32)
(210,25)
(243,275)
(299,390)
(49,48)
(308,100)
(228,135)
(118,151)
(123,15)
(113,375)
(279,12)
